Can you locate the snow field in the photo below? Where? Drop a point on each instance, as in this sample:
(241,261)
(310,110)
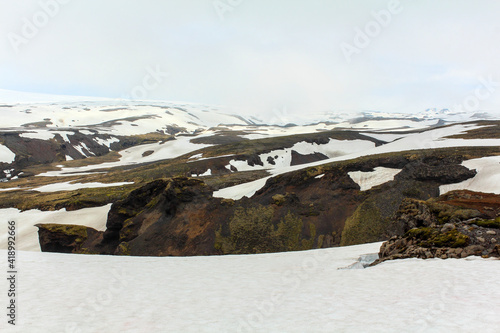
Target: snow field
(143,116)
(283,292)
(134,155)
(27,233)
(283,157)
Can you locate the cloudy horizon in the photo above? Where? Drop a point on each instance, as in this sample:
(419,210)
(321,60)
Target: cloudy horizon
(258,56)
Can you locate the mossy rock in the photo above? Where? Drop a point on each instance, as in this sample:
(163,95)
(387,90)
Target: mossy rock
(447,213)
(227,202)
(71,230)
(123,249)
(278,199)
(431,237)
(489,223)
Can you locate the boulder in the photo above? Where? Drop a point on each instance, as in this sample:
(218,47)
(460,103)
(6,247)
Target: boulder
(67,238)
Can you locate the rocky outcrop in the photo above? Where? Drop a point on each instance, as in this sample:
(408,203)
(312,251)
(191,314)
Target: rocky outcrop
(453,240)
(419,178)
(165,217)
(32,151)
(298,158)
(67,238)
(439,228)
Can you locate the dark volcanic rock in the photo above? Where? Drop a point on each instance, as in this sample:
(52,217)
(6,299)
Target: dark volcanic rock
(66,238)
(32,151)
(254,160)
(165,217)
(445,174)
(298,158)
(270,160)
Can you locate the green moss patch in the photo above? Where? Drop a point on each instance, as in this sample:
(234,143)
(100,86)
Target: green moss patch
(70,230)
(365,225)
(252,231)
(489,223)
(431,237)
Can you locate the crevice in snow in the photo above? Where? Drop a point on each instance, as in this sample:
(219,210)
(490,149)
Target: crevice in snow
(363,261)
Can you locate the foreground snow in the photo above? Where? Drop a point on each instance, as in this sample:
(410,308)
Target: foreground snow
(285,292)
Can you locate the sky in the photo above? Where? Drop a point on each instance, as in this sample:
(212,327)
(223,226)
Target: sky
(258,56)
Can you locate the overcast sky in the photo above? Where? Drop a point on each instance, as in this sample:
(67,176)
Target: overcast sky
(258,55)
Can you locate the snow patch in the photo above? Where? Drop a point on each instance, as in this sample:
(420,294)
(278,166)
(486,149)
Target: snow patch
(367,180)
(67,186)
(6,155)
(206,173)
(242,190)
(486,180)
(27,233)
(10,189)
(64,135)
(41,135)
(106,142)
(200,155)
